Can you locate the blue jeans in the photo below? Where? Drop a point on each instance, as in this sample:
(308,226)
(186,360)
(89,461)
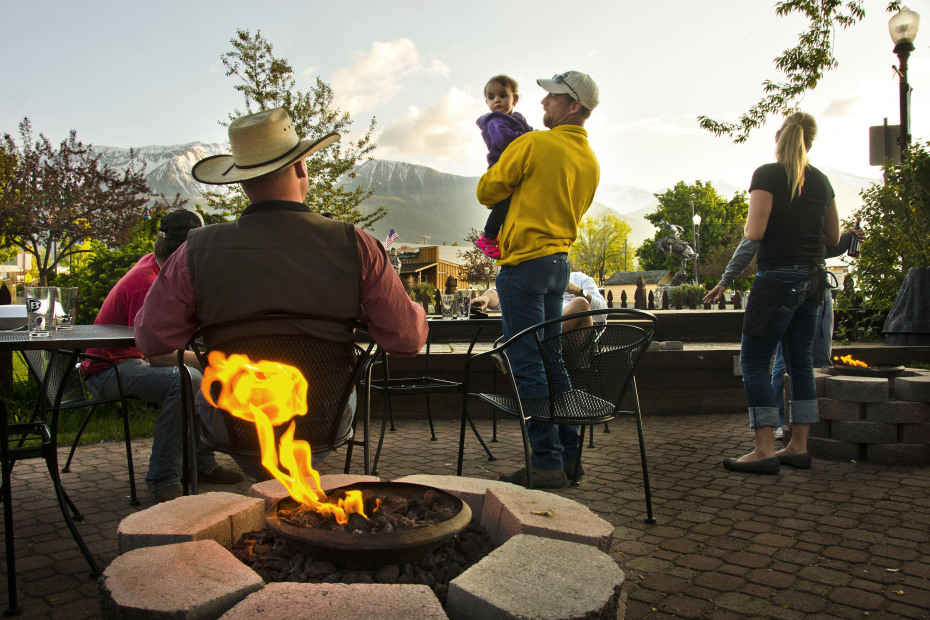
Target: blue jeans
(821,352)
(794,323)
(158,384)
(531,293)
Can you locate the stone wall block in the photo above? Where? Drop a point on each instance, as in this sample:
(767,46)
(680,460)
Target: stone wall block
(832,409)
(820,381)
(915,389)
(834,450)
(861,431)
(897,412)
(859,389)
(914,433)
(821,429)
(901,454)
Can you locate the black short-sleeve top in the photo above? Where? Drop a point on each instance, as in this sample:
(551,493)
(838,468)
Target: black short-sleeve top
(794,234)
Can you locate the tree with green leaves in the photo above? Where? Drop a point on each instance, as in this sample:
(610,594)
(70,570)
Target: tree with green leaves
(602,247)
(267,82)
(479,267)
(803,65)
(54,199)
(719,216)
(896,215)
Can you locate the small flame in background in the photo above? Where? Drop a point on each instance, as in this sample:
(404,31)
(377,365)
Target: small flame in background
(849,360)
(270,394)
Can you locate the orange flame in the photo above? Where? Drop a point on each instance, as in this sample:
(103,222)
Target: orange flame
(270,394)
(849,360)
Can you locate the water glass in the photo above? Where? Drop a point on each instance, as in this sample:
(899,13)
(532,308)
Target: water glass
(66,307)
(40,303)
(462,303)
(447,302)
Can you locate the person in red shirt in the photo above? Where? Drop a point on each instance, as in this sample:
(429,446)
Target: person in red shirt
(154,378)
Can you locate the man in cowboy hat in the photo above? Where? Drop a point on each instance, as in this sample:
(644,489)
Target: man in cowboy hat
(552,176)
(152,378)
(277,256)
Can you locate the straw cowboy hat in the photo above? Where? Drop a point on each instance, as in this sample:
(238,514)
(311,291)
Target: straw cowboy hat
(260,143)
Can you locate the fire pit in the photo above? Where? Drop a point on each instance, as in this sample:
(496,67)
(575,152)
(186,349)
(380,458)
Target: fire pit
(371,551)
(849,366)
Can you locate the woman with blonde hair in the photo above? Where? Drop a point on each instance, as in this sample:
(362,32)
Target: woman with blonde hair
(792,214)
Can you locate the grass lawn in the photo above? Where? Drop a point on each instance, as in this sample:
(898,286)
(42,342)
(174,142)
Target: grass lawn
(105,425)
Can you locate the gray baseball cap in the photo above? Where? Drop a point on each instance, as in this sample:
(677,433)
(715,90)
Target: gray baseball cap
(579,86)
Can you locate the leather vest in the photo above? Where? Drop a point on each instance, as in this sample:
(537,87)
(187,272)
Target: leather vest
(276,257)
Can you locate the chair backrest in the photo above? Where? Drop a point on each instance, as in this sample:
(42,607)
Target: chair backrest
(600,359)
(48,369)
(331,368)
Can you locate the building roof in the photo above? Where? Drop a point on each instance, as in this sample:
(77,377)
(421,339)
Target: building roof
(446,253)
(624,278)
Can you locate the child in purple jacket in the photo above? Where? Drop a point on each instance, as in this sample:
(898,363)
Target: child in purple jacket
(499,128)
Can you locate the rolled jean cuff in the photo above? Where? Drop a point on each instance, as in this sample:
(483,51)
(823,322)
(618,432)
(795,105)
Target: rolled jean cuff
(763,416)
(804,412)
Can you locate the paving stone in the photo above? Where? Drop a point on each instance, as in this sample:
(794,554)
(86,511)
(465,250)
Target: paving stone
(472,491)
(298,601)
(222,517)
(272,491)
(913,388)
(833,409)
(510,510)
(897,412)
(198,579)
(834,450)
(533,577)
(865,432)
(899,454)
(859,389)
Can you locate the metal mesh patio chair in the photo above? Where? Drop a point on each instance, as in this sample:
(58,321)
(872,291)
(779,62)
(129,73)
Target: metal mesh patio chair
(600,362)
(333,369)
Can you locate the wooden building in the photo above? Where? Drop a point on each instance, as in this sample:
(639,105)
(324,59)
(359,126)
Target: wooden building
(626,281)
(432,264)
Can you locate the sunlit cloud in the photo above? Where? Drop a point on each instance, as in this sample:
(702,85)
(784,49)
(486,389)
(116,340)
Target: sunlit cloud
(308,72)
(841,107)
(378,74)
(664,125)
(443,134)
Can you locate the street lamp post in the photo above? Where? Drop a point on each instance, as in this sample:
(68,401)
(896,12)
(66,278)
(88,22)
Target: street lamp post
(696,221)
(903,28)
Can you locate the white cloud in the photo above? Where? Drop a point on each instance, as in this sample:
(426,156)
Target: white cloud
(442,135)
(308,72)
(379,74)
(679,125)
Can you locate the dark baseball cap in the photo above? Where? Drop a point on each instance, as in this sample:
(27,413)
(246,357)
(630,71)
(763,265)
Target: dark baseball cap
(175,225)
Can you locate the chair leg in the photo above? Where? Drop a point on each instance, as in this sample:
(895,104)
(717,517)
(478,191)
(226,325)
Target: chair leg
(133,496)
(494,426)
(526,453)
(458,470)
(480,440)
(64,503)
(578,458)
(650,518)
(590,437)
(606,427)
(12,606)
(429,416)
(374,466)
(77,438)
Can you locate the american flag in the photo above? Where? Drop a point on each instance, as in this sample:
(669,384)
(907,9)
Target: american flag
(392,236)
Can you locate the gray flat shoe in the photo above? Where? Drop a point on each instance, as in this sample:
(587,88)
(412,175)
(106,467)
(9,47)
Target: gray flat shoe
(798,461)
(765,466)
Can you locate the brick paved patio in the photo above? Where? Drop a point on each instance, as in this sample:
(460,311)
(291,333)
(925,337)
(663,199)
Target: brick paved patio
(842,540)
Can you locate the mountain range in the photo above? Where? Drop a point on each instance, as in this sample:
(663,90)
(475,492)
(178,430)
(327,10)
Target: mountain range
(423,202)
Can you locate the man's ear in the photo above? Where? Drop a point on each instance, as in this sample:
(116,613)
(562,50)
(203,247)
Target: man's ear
(300,167)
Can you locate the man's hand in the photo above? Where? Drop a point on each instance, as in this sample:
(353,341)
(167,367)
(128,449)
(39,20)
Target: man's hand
(574,289)
(859,232)
(715,294)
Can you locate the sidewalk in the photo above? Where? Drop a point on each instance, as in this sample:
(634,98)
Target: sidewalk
(841,540)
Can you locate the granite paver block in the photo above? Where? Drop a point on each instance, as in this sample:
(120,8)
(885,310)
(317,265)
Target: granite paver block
(298,601)
(899,454)
(834,450)
(198,579)
(897,412)
(861,431)
(916,389)
(820,382)
(845,410)
(821,428)
(532,577)
(272,491)
(512,510)
(914,433)
(472,491)
(222,517)
(859,389)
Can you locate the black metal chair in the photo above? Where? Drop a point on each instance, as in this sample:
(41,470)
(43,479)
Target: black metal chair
(33,440)
(332,367)
(425,384)
(48,369)
(600,362)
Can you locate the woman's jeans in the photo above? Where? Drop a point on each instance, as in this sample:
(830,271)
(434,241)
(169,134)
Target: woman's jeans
(531,293)
(157,384)
(794,324)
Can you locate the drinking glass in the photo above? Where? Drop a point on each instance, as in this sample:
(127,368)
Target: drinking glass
(40,302)
(447,302)
(462,303)
(66,307)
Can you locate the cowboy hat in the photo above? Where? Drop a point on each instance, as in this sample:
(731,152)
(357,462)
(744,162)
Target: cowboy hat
(260,143)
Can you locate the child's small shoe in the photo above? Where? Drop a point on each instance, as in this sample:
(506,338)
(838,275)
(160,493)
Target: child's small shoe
(488,246)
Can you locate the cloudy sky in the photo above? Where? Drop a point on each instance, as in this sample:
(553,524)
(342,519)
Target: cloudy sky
(132,74)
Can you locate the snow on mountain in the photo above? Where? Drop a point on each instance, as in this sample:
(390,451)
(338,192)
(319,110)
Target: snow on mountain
(167,168)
